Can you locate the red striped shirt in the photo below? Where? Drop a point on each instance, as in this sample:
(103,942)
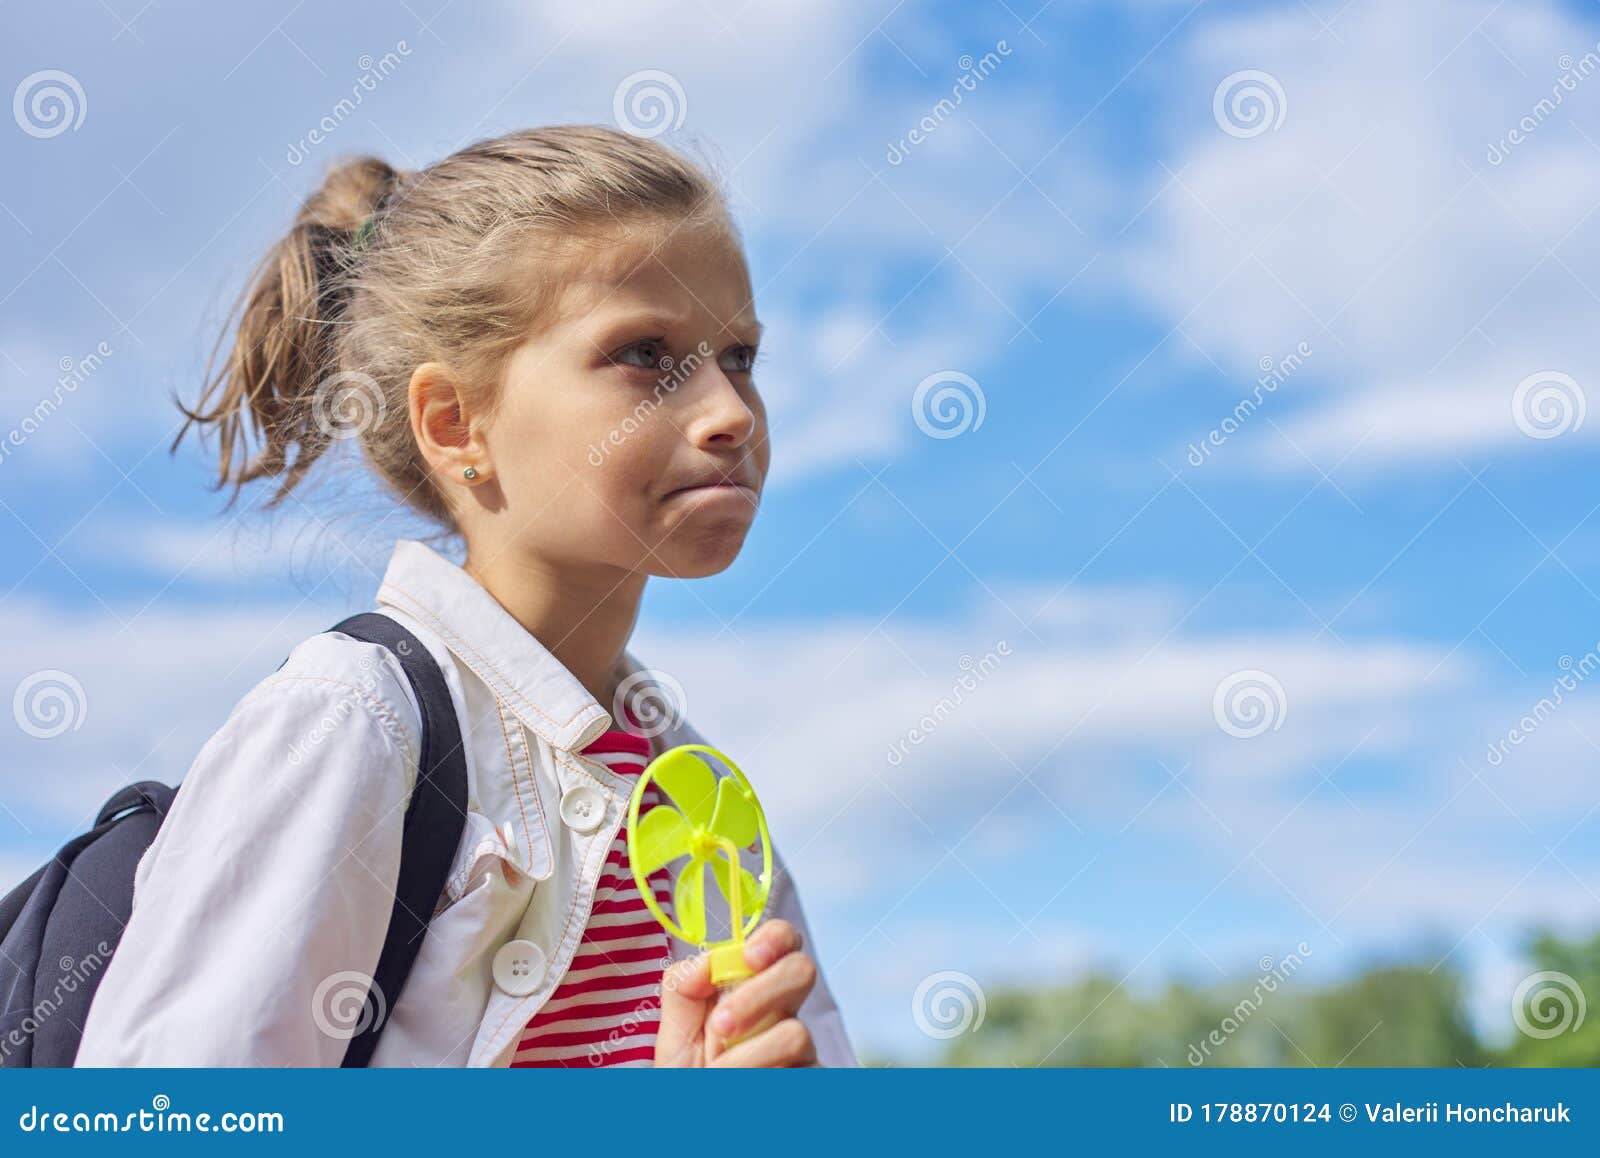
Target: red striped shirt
(607,1008)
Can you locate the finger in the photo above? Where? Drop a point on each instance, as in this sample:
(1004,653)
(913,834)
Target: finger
(771,995)
(686,991)
(788,1043)
(771,941)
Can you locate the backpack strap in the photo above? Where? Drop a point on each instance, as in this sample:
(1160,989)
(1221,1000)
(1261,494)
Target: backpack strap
(434,820)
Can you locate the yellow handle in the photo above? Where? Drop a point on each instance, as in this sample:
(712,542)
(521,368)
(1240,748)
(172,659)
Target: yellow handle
(727,960)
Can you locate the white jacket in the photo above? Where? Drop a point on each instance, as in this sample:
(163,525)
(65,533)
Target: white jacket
(260,909)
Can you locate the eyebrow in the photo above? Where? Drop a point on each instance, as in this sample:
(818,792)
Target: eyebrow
(658,319)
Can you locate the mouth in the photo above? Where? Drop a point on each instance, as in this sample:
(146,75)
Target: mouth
(713,482)
(732,488)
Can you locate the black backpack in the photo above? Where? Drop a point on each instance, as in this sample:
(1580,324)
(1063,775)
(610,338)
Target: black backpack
(82,898)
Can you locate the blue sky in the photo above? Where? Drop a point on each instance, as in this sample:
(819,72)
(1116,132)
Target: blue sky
(1399,537)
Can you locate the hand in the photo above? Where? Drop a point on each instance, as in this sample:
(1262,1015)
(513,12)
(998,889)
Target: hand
(753,1024)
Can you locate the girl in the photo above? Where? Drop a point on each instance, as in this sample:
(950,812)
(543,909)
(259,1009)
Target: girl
(548,337)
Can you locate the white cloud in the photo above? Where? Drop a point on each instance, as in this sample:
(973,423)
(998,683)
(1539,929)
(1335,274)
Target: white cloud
(247,545)
(1373,226)
(151,696)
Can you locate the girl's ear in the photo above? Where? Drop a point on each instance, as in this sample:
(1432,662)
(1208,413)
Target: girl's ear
(442,421)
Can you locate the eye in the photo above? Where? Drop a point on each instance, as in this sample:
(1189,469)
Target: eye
(739,360)
(646,354)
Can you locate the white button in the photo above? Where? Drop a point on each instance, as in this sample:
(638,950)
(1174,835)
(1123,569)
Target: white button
(583,807)
(519,967)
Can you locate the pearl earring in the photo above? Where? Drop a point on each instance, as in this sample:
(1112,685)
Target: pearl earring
(470,473)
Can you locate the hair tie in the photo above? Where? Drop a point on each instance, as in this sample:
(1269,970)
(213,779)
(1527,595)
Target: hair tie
(370,226)
(364,234)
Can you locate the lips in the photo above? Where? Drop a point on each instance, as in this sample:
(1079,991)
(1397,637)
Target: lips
(716,479)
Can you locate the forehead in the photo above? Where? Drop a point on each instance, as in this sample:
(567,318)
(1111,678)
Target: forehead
(694,272)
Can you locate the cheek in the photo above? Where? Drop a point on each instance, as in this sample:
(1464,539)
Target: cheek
(625,471)
(619,463)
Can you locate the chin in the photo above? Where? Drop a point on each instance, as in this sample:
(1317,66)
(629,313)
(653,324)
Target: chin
(706,553)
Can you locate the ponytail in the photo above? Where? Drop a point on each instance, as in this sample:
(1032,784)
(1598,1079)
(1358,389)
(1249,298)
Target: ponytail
(274,384)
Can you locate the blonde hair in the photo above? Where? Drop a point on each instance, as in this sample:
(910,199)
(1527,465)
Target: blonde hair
(337,316)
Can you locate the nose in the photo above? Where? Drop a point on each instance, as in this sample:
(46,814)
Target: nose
(721,417)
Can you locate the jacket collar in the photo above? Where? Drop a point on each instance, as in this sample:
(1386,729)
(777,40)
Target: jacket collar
(520,670)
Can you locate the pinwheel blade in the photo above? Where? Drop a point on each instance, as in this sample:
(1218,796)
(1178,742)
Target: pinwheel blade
(662,835)
(686,778)
(749,889)
(689,901)
(734,816)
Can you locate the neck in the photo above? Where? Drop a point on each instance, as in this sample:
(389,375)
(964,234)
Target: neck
(583,616)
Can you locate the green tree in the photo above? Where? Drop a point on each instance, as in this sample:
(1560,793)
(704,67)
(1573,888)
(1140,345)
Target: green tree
(1386,1015)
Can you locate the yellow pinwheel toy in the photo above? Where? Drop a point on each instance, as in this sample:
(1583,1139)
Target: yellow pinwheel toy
(707,819)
